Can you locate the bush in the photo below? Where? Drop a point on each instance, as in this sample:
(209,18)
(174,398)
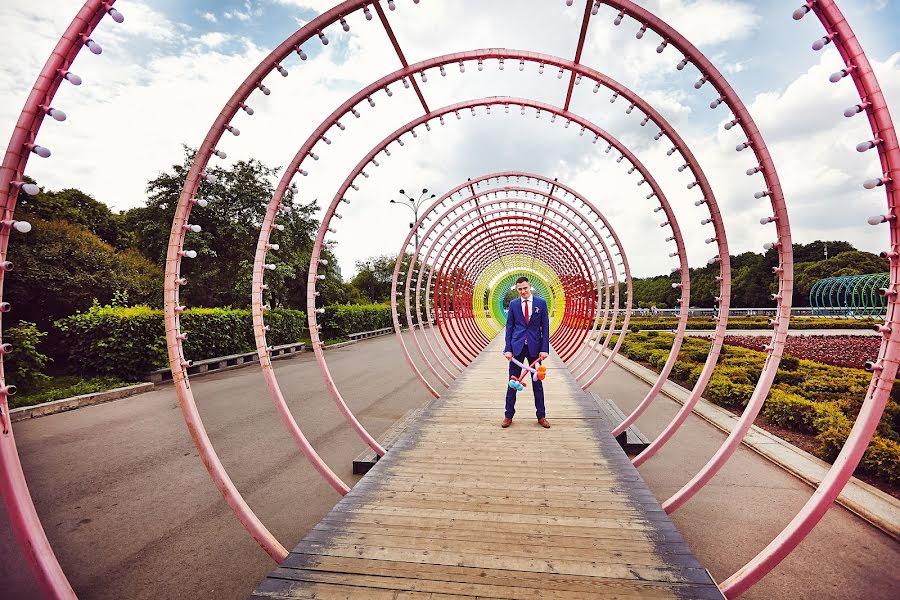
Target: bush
(833,427)
(129,342)
(658,358)
(61,268)
(340,320)
(724,392)
(25,366)
(882,459)
(798,413)
(789,363)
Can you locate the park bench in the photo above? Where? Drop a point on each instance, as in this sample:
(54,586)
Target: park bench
(222,363)
(362,335)
(632,441)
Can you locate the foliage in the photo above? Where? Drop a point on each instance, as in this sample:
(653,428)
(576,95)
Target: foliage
(75,207)
(222,272)
(59,388)
(24,367)
(130,342)
(343,319)
(61,268)
(374,276)
(810,397)
(752,279)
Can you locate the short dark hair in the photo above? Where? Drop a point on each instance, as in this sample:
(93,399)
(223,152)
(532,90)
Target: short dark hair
(522,279)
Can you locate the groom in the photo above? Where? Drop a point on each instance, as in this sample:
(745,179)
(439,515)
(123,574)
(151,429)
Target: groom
(527,338)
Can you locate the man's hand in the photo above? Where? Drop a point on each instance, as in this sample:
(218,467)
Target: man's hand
(543,356)
(508,355)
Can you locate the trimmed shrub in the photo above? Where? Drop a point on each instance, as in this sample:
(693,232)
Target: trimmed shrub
(129,342)
(833,427)
(340,320)
(882,459)
(658,358)
(724,392)
(789,363)
(707,323)
(25,365)
(795,412)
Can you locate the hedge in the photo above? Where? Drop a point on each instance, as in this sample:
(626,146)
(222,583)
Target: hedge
(807,396)
(340,320)
(25,364)
(129,342)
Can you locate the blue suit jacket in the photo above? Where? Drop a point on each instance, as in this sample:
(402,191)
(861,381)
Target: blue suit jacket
(537,332)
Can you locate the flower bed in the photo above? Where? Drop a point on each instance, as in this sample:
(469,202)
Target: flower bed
(838,350)
(811,398)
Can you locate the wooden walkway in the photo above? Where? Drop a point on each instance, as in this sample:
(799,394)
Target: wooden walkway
(460,509)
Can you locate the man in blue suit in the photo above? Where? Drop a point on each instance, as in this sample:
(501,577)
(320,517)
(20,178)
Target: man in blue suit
(527,338)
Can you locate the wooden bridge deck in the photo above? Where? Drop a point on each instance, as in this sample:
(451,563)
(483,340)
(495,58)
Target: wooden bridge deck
(460,508)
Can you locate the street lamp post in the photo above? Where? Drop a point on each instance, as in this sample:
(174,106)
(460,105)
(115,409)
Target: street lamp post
(414,204)
(371,280)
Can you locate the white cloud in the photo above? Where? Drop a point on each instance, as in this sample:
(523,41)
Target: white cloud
(208,16)
(127,122)
(710,22)
(214,39)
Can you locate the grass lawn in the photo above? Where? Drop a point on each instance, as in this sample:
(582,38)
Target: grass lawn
(65,386)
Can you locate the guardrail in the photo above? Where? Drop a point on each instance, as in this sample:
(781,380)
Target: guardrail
(222,363)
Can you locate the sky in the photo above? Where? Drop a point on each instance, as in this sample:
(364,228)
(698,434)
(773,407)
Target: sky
(167,71)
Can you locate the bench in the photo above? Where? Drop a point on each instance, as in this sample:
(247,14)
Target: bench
(632,441)
(367,460)
(221,363)
(362,335)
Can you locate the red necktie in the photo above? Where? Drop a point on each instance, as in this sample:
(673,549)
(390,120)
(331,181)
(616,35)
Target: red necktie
(526,312)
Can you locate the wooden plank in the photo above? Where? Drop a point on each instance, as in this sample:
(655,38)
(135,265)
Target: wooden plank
(460,508)
(367,459)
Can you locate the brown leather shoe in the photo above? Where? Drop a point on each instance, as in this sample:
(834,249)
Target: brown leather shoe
(506,423)
(544,423)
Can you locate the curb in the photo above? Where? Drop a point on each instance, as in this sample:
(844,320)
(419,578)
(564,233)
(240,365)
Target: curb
(58,406)
(868,502)
(339,345)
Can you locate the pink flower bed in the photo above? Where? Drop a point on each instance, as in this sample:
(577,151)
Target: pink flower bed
(838,350)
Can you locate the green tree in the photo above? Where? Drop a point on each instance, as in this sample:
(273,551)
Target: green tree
(74,206)
(222,272)
(61,268)
(374,276)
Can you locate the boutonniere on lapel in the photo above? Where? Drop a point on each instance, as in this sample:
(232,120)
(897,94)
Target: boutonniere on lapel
(536,310)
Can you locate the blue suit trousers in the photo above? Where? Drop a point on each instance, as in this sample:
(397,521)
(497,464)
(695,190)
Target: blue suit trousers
(526,357)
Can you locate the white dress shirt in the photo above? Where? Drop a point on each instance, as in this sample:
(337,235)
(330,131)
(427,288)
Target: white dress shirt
(530,301)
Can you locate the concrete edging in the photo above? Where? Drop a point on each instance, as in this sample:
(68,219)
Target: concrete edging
(58,406)
(868,502)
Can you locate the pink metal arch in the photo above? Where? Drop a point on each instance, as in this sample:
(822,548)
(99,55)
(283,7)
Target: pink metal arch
(462,219)
(22,516)
(873,103)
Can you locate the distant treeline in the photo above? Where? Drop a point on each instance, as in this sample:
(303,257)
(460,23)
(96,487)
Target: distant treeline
(752,278)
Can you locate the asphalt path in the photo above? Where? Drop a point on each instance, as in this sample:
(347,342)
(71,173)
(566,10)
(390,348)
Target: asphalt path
(132,513)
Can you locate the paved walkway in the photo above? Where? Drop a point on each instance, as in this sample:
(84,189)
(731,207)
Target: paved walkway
(460,508)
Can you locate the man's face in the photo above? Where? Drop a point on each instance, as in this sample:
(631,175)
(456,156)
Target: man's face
(524,289)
